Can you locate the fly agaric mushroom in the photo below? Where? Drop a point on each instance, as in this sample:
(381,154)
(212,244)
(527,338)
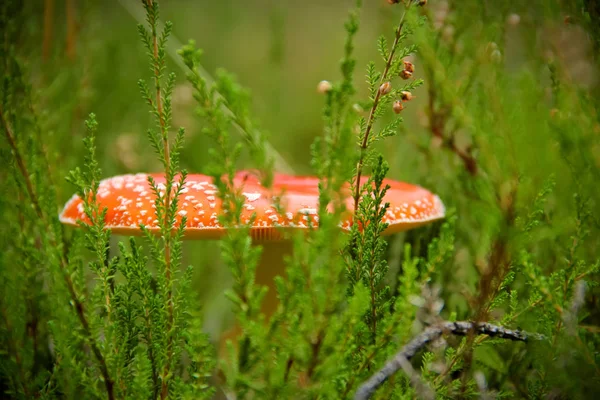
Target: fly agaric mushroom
(130,202)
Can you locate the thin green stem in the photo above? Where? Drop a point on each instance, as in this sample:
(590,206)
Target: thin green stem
(164,392)
(370,121)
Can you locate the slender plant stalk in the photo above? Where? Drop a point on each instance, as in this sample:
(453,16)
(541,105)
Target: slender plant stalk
(75,298)
(371,119)
(21,163)
(164,392)
(372,289)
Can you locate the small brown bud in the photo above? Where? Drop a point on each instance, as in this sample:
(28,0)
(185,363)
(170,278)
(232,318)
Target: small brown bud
(385,88)
(398,106)
(324,87)
(405,74)
(393,1)
(422,3)
(406,96)
(408,66)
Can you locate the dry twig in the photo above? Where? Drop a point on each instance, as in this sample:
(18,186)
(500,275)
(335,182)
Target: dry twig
(460,328)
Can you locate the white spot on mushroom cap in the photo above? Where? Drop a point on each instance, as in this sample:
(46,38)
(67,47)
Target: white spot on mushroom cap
(252,196)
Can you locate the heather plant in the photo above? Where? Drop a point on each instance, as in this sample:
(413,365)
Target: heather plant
(499,299)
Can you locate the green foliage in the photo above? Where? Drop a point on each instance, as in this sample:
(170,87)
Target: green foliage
(506,135)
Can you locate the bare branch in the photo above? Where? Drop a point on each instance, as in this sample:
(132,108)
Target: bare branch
(460,328)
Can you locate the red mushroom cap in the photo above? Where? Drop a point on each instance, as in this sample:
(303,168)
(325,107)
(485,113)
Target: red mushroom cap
(129,200)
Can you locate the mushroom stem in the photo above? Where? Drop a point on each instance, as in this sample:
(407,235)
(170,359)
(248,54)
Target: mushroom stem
(271,264)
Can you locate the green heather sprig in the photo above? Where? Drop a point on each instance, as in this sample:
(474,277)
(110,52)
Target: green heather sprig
(238,252)
(30,167)
(381,94)
(97,240)
(369,264)
(365,251)
(167,250)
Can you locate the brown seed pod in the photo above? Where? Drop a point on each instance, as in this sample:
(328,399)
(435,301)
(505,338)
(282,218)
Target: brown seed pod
(398,107)
(324,87)
(409,66)
(406,96)
(385,88)
(405,74)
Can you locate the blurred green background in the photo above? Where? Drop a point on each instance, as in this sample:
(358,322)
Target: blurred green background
(86,57)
